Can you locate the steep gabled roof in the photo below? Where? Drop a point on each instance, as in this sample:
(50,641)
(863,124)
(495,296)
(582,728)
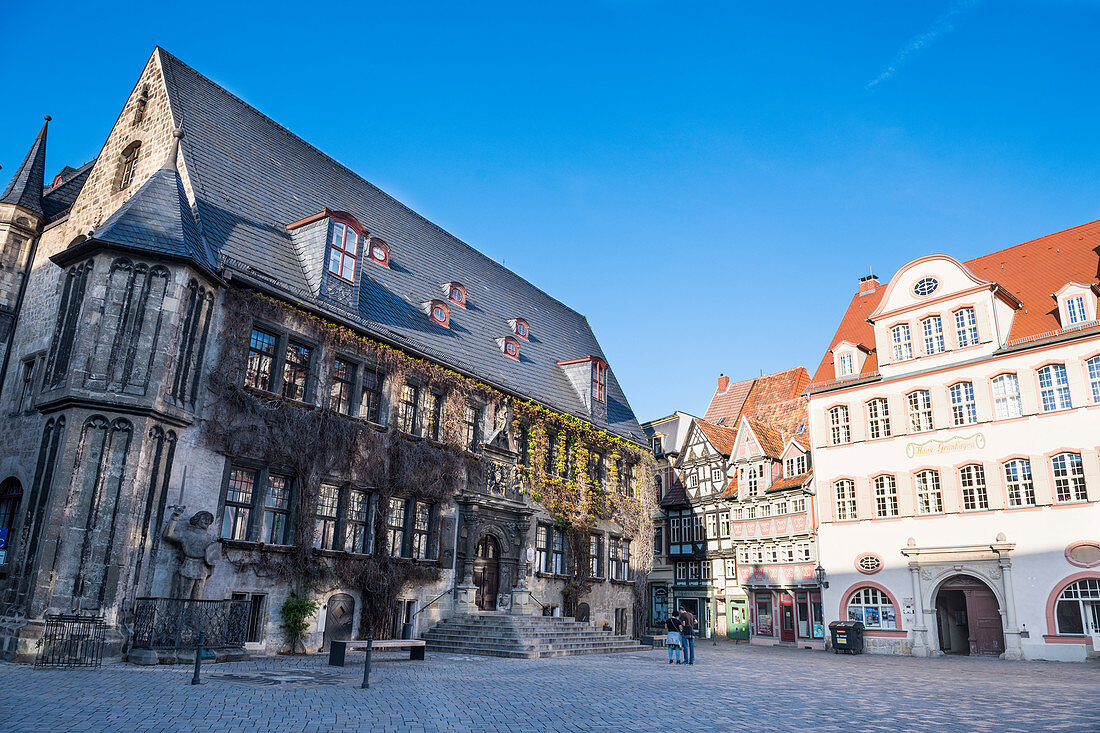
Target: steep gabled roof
(778,387)
(57,200)
(726,405)
(720,437)
(25,188)
(1030,271)
(790,482)
(252,178)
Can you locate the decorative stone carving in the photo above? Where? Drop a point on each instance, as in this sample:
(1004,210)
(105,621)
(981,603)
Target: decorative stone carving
(198,547)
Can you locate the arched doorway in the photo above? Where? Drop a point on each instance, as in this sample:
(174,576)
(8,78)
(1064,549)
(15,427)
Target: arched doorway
(968,618)
(11,494)
(338,618)
(487,573)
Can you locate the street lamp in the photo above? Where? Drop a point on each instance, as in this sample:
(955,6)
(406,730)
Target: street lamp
(820,573)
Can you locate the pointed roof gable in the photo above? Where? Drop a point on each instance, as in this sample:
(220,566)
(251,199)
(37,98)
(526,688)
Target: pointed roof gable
(58,199)
(721,438)
(26,185)
(725,405)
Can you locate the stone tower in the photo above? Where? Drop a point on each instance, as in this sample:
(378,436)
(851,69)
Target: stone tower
(21,219)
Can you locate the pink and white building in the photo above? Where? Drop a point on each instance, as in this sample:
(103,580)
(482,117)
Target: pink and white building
(955,429)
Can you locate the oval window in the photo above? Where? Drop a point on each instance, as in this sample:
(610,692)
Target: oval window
(379,254)
(456,295)
(521,329)
(1084,554)
(511,349)
(439,315)
(868,563)
(926,286)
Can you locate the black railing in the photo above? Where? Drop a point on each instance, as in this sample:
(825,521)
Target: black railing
(71,640)
(181,623)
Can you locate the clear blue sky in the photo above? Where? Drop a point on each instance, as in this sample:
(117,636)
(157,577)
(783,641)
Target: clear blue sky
(705,181)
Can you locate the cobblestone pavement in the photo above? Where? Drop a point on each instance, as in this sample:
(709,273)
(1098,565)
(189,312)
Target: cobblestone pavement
(730,687)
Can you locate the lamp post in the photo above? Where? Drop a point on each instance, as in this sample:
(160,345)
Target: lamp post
(820,573)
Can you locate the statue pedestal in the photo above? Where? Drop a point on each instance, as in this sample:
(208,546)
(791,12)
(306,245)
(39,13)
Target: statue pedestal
(466,600)
(521,602)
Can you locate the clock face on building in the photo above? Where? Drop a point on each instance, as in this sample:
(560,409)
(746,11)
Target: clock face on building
(926,286)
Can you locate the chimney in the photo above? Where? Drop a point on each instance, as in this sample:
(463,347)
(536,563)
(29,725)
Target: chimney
(723,383)
(868,284)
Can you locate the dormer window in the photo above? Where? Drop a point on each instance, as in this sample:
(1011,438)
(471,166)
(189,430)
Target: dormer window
(520,328)
(511,347)
(456,293)
(846,365)
(378,251)
(599,380)
(439,313)
(344,252)
(1076,303)
(1075,307)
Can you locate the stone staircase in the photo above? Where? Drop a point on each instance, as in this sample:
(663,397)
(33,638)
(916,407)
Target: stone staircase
(523,637)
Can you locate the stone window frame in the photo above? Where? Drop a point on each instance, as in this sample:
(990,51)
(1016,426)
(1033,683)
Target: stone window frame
(932,332)
(309,370)
(551,550)
(1019,489)
(878,418)
(596,564)
(29,380)
(128,159)
(919,404)
(1007,400)
(257,506)
(973,488)
(408,409)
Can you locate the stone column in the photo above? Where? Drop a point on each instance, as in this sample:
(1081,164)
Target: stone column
(521,596)
(1013,649)
(465,590)
(920,628)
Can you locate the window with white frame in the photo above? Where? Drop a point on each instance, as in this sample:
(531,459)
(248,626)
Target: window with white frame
(1075,307)
(1094,377)
(795,465)
(886,496)
(845,499)
(933,334)
(966,327)
(903,342)
(786,553)
(681,571)
(1006,396)
(751,512)
(1054,387)
(803,551)
(737,513)
(929,494)
(1021,490)
(712,525)
(873,608)
(754,482)
(693,571)
(839,429)
(716,475)
(847,364)
(674,529)
(798,505)
(1078,607)
(772,554)
(693,480)
(920,411)
(344,252)
(724,524)
(878,416)
(743,555)
(1069,477)
(731,569)
(964,411)
(974,494)
(765,510)
(781,507)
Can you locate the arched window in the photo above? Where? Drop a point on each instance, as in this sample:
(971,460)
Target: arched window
(378,251)
(456,293)
(1054,387)
(1078,609)
(839,430)
(511,347)
(11,493)
(439,313)
(845,499)
(344,252)
(129,165)
(873,607)
(521,329)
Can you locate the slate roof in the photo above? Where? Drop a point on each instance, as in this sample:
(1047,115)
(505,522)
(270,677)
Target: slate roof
(57,200)
(252,177)
(25,188)
(676,495)
(1031,271)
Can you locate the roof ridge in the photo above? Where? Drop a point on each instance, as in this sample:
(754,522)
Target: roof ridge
(1030,241)
(171,57)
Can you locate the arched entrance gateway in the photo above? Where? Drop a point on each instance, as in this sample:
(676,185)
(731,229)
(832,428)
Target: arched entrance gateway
(487,573)
(968,618)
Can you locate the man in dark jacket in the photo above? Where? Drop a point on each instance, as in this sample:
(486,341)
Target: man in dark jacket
(687,632)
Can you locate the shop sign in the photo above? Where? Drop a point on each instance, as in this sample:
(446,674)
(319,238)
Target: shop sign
(955,444)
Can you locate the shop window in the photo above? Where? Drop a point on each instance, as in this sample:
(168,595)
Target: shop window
(763,609)
(1078,607)
(873,608)
(811,623)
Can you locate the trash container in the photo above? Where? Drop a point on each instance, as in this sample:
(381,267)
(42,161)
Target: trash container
(847,636)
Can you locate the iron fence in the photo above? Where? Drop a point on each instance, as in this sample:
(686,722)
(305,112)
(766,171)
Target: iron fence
(71,640)
(181,623)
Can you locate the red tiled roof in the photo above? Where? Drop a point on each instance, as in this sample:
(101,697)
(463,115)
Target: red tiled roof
(776,388)
(770,439)
(722,438)
(727,405)
(790,482)
(1030,271)
(730,491)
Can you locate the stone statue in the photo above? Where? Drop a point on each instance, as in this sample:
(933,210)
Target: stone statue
(199,550)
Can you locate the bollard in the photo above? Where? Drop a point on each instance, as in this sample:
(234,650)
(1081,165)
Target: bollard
(198,663)
(366,664)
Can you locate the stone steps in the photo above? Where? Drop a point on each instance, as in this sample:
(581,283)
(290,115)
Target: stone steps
(526,637)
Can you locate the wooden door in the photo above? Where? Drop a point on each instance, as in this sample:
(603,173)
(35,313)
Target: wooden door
(487,573)
(338,618)
(986,635)
(786,617)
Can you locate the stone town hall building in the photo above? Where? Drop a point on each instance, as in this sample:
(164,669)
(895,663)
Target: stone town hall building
(214,316)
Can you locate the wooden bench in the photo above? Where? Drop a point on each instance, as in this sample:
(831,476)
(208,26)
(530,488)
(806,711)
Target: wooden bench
(338,648)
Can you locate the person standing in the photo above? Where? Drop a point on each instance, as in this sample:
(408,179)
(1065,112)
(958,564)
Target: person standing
(672,640)
(688,625)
